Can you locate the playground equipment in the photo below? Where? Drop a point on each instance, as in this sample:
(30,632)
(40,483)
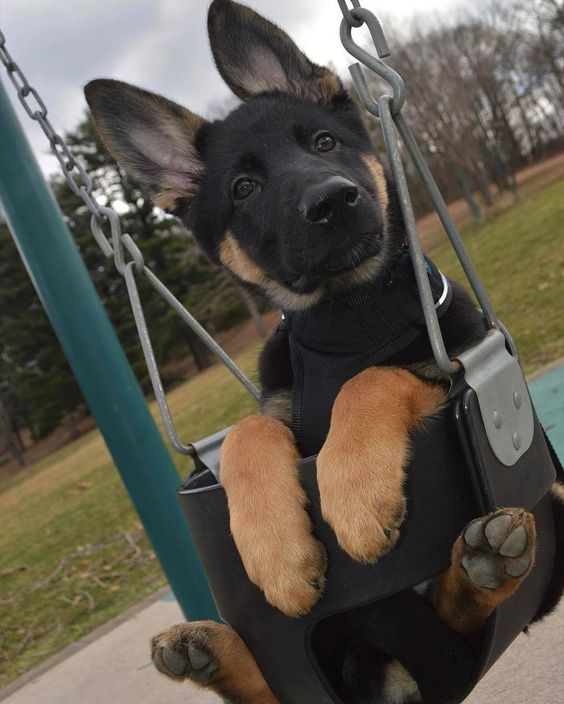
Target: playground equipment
(466,466)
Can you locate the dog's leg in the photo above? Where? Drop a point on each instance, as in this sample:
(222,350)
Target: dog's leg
(214,657)
(360,468)
(490,559)
(267,513)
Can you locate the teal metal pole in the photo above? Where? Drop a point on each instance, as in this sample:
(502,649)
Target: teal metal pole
(98,362)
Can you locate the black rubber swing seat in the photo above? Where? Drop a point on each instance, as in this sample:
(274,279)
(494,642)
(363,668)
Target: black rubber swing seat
(453,477)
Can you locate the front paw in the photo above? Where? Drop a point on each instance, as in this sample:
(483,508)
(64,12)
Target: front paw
(287,565)
(360,469)
(361,499)
(268,517)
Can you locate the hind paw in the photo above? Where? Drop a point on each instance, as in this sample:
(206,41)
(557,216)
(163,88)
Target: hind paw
(490,559)
(498,548)
(183,652)
(212,656)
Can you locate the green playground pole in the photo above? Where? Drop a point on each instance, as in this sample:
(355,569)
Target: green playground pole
(98,362)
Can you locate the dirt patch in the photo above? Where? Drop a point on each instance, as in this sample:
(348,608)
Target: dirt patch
(36,451)
(529,180)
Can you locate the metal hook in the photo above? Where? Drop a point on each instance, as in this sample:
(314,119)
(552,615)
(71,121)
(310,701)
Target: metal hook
(136,254)
(362,89)
(374,63)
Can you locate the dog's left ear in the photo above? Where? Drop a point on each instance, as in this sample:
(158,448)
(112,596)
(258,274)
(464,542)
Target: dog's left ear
(253,56)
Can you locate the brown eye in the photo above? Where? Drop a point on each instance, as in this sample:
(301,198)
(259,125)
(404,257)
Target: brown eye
(243,187)
(324,142)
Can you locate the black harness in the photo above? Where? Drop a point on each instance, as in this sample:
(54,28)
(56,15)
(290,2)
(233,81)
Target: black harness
(335,340)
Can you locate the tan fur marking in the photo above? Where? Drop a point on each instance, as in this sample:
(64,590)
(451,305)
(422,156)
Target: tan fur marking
(377,171)
(238,677)
(237,261)
(399,685)
(464,605)
(268,520)
(290,300)
(331,83)
(324,85)
(557,490)
(167,200)
(360,469)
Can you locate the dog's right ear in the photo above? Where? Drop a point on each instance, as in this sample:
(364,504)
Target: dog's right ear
(150,136)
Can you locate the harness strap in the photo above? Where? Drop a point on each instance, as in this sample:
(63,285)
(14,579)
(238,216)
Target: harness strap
(340,337)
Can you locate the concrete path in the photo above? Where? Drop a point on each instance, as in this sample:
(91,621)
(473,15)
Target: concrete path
(112,665)
(114,668)
(547,392)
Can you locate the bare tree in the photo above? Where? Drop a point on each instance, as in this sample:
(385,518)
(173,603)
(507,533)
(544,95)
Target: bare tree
(485,93)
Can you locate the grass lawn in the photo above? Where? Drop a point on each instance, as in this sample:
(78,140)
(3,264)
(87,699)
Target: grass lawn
(72,552)
(520,258)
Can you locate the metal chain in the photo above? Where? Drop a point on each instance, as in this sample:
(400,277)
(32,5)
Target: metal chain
(388,110)
(116,244)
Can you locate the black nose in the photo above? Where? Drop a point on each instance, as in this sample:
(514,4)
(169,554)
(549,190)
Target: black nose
(328,199)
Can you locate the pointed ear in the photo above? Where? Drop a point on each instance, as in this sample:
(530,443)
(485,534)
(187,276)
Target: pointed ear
(150,136)
(253,56)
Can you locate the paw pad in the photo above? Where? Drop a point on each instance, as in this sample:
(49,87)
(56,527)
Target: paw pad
(496,529)
(498,547)
(198,659)
(515,543)
(179,659)
(173,661)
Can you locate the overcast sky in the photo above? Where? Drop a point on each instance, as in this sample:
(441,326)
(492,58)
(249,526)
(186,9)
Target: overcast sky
(160,45)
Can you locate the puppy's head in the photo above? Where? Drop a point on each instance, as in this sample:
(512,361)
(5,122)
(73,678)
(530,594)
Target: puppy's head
(285,191)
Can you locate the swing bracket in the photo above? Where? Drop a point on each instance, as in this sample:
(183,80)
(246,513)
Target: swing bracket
(505,406)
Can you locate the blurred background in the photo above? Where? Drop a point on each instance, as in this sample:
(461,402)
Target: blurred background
(485,87)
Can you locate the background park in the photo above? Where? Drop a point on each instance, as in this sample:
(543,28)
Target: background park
(486,101)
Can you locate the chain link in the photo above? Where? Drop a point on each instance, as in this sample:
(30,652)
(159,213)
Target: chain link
(73,171)
(37,110)
(115,244)
(348,15)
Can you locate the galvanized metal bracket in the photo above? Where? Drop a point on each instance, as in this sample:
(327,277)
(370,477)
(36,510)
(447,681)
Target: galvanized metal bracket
(503,397)
(208,450)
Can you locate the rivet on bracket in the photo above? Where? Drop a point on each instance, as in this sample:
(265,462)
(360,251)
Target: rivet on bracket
(516,441)
(497,419)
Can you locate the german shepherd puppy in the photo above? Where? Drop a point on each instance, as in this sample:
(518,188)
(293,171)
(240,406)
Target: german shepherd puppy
(288,194)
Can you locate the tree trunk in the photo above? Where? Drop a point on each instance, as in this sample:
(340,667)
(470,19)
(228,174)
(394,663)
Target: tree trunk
(10,435)
(483,185)
(71,426)
(507,178)
(200,353)
(468,195)
(535,148)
